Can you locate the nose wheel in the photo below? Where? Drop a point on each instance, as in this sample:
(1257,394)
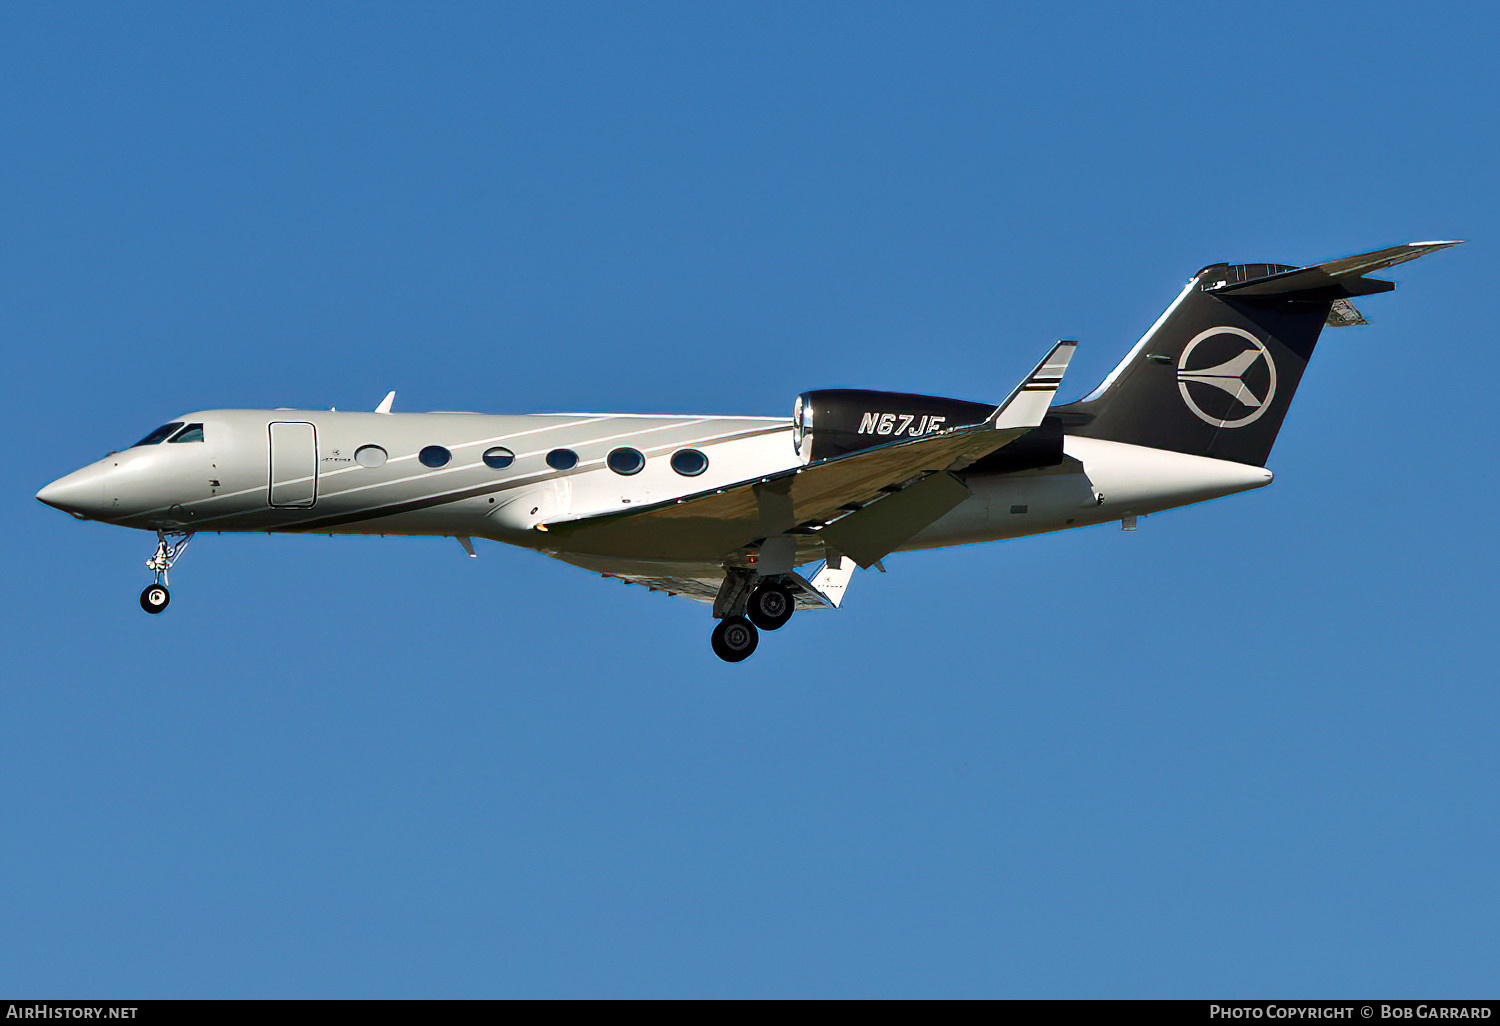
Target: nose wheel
(169,548)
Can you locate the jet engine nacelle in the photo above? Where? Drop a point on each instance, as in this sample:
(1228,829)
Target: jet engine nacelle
(834,421)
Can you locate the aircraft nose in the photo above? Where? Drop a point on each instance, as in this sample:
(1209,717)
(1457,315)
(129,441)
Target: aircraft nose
(80,493)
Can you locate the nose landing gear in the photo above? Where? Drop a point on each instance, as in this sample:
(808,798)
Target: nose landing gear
(169,546)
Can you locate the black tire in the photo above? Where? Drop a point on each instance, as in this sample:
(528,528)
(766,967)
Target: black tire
(771,605)
(734,639)
(155,598)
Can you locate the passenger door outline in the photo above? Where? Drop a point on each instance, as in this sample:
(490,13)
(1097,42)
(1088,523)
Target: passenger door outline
(293,478)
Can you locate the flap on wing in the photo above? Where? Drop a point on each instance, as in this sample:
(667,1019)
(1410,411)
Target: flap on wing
(880,528)
(805,499)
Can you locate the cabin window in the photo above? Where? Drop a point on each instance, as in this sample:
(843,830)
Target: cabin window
(625,461)
(562,459)
(160,435)
(191,433)
(689,462)
(434,456)
(498,458)
(370,456)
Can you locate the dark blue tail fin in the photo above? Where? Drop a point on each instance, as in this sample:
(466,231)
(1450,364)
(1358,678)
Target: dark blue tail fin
(1214,376)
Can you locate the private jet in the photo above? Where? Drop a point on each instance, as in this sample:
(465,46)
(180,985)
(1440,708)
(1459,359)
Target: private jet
(760,517)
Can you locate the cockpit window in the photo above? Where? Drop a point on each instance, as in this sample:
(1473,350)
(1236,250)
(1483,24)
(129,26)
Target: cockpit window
(160,435)
(191,433)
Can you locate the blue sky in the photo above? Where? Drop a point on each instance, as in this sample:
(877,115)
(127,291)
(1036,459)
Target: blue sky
(1247,750)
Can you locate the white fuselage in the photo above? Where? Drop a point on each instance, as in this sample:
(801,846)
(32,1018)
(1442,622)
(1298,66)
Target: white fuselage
(297,470)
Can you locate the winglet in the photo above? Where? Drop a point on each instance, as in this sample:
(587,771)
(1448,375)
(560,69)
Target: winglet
(385,404)
(1028,404)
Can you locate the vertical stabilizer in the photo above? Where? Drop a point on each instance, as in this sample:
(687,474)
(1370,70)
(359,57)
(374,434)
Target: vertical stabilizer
(1215,375)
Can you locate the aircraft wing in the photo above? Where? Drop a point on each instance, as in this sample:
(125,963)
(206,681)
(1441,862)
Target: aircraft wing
(909,478)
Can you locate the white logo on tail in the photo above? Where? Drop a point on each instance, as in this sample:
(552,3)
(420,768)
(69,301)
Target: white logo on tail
(1228,377)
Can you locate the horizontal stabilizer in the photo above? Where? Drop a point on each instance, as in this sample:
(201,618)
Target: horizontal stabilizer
(1335,278)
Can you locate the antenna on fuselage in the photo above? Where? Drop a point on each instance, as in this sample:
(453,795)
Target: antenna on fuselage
(385,404)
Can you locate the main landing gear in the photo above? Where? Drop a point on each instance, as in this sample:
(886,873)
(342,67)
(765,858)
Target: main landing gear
(169,546)
(770,606)
(734,639)
(743,606)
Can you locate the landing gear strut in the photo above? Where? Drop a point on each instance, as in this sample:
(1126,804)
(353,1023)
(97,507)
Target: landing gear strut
(734,639)
(169,546)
